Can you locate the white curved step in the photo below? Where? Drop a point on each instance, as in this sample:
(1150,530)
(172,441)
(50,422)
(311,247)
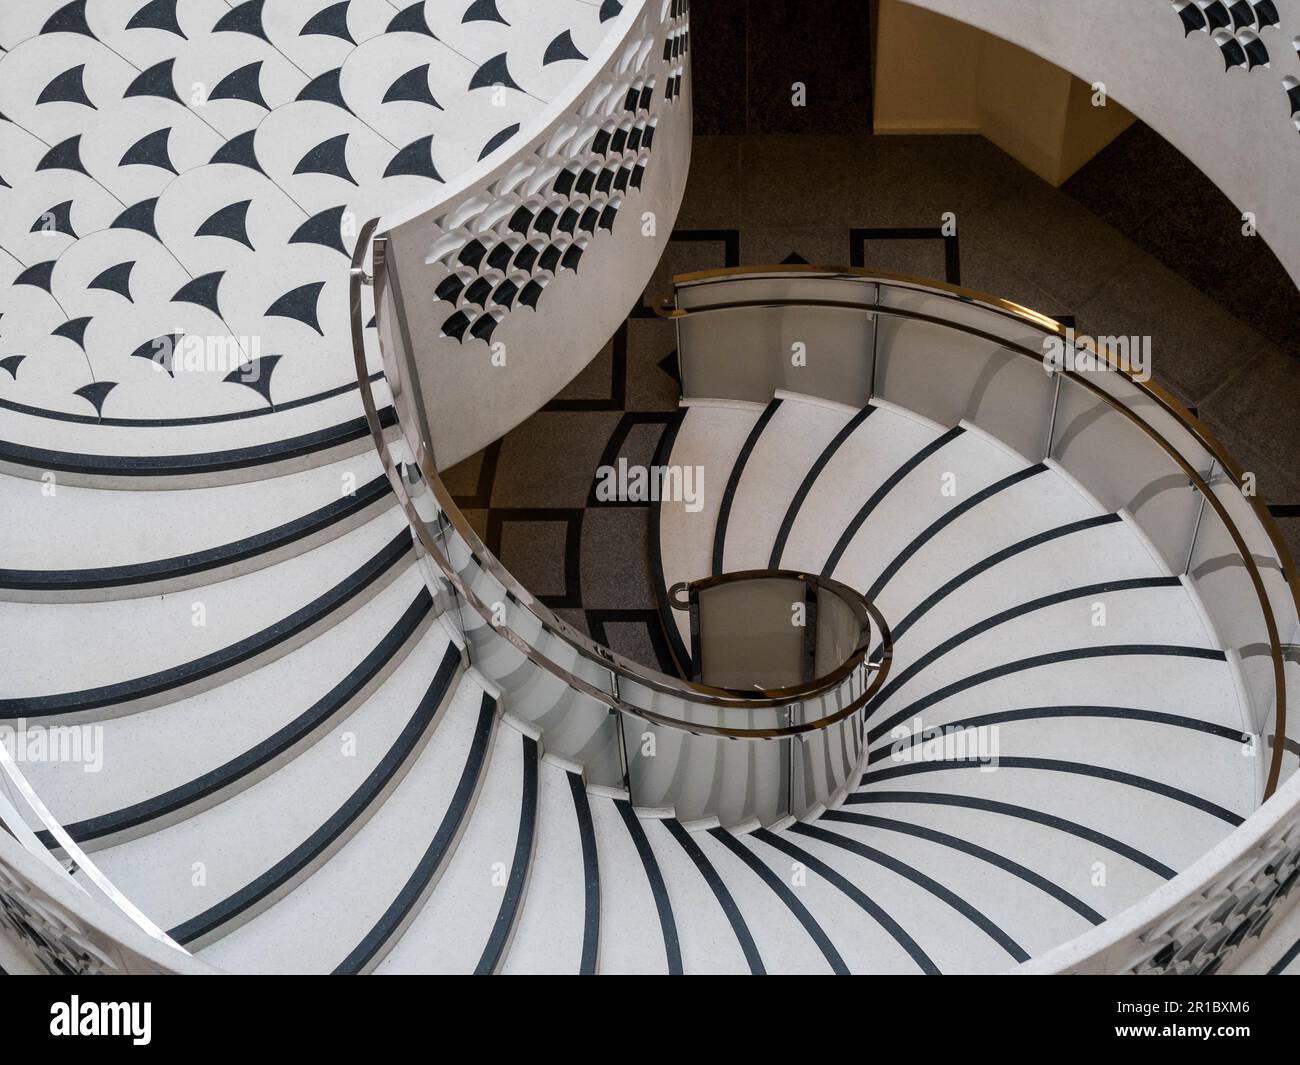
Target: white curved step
(122,640)
(790,444)
(354,891)
(631,936)
(240,839)
(145,755)
(454,926)
(551,929)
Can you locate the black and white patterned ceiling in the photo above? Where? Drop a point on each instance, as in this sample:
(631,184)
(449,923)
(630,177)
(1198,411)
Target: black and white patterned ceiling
(182,181)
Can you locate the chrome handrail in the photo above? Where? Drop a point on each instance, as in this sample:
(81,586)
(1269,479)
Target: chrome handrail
(9,770)
(619,665)
(1166,400)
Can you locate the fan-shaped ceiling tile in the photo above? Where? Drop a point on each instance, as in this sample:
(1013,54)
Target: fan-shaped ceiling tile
(300,305)
(239,151)
(330,22)
(415,159)
(494,72)
(138,216)
(70,18)
(56,219)
(413,86)
(95,393)
(69,88)
(243,18)
(38,275)
(324,229)
(73,329)
(255,375)
(155,81)
(411,20)
(116,279)
(562,48)
(498,140)
(242,84)
(66,155)
(151,150)
(326,89)
(10,363)
(202,291)
(157,15)
(328,157)
(230,222)
(160,351)
(483,11)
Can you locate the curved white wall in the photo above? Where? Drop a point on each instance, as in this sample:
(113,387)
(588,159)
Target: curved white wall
(1234,124)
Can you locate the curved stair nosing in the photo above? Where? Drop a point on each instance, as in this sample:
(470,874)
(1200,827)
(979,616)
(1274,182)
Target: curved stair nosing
(372,949)
(810,479)
(786,895)
(589,964)
(1014,613)
(237,659)
(246,555)
(733,483)
(264,758)
(888,485)
(1023,813)
(658,889)
(280,880)
(137,472)
(676,645)
(497,948)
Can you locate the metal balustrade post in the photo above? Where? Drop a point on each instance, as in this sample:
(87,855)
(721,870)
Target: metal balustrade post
(1051,422)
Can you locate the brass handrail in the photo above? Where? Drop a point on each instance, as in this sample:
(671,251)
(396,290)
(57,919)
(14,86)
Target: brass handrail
(1047,325)
(689,691)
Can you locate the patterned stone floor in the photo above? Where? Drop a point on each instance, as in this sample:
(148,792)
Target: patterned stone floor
(877,202)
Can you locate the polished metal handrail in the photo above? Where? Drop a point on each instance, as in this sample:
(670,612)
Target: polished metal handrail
(617,664)
(1049,326)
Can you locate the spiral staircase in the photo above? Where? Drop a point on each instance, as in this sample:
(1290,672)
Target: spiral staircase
(1056,733)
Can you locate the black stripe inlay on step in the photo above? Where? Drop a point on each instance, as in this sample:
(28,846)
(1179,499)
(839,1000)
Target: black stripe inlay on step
(299,621)
(792,512)
(1073,654)
(733,482)
(1285,960)
(1011,614)
(1040,713)
(590,877)
(494,952)
(312,720)
(1001,556)
(181,465)
(319,842)
(926,883)
(975,851)
(672,634)
(786,895)
(937,526)
(860,897)
(438,851)
(1053,765)
(201,561)
(859,519)
(734,917)
(672,945)
(225,658)
(1024,813)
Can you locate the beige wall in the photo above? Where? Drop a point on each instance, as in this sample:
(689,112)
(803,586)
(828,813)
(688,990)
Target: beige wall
(937,75)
